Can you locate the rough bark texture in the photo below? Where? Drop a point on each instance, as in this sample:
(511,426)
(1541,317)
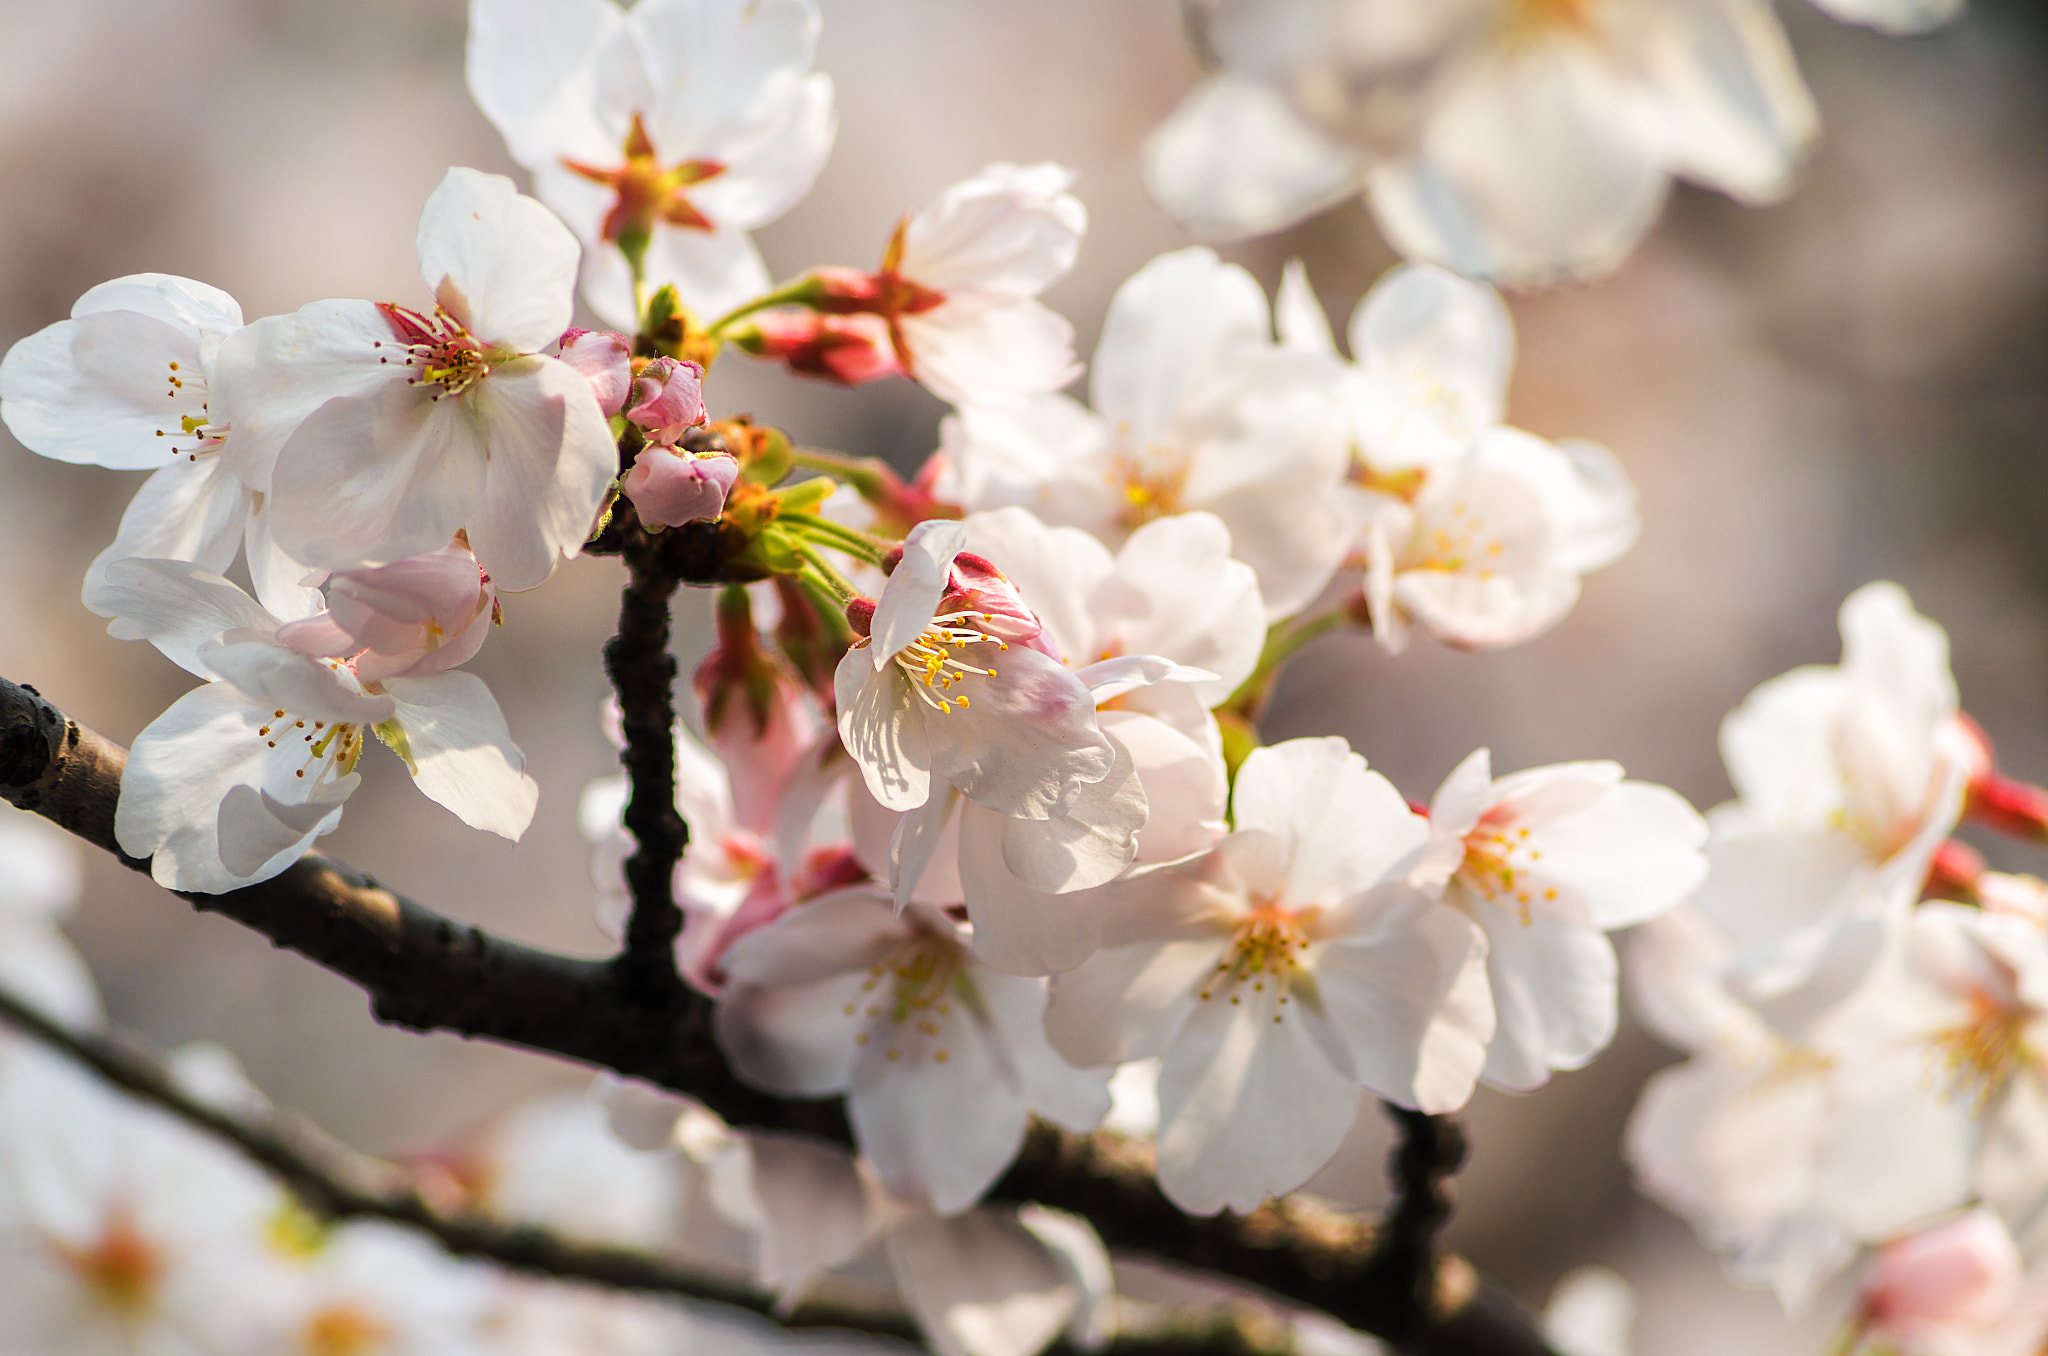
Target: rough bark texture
(426,972)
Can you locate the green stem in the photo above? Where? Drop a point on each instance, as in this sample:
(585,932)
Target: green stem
(857,544)
(786,294)
(1283,641)
(816,565)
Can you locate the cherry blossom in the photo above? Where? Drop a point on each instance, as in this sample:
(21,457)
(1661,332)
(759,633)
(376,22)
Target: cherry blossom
(959,283)
(1488,551)
(605,358)
(987,1282)
(673,128)
(937,691)
(414,617)
(1195,407)
(942,1059)
(1847,779)
(1520,140)
(232,783)
(40,881)
(124,1230)
(1278,974)
(390,429)
(1545,862)
(127,382)
(669,488)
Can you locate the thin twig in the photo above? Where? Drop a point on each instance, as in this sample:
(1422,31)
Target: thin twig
(427,972)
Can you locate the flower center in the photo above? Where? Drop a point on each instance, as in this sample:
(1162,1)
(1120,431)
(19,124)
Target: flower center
(933,664)
(909,991)
(1149,484)
(1980,1054)
(121,1269)
(206,435)
(1267,949)
(331,750)
(440,351)
(1452,542)
(342,1330)
(1529,19)
(647,192)
(1497,858)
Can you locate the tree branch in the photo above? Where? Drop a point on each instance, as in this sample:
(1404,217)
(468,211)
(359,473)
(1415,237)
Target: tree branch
(426,972)
(643,673)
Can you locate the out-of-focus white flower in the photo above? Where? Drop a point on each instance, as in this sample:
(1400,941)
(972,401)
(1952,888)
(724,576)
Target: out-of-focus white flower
(382,431)
(554,1162)
(959,284)
(1277,975)
(40,880)
(376,1287)
(988,1282)
(1917,1091)
(937,696)
(1521,139)
(1546,862)
(1590,1314)
(1195,407)
(942,1059)
(686,123)
(1847,779)
(232,783)
(124,1231)
(126,382)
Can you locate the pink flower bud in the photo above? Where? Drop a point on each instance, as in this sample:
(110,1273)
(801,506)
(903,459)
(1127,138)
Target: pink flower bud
(606,361)
(1962,1272)
(848,349)
(668,401)
(411,618)
(669,488)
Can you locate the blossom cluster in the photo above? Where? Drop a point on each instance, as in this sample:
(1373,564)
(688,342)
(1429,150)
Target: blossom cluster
(1524,140)
(1863,1003)
(981,828)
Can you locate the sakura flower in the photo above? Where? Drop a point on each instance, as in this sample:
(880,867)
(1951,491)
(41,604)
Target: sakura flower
(988,1282)
(1195,407)
(1173,590)
(390,428)
(124,1230)
(554,1162)
(1517,140)
(1278,974)
(936,691)
(673,128)
(959,284)
(232,783)
(943,1060)
(127,382)
(1847,780)
(40,881)
(1545,862)
(375,1287)
(1488,551)
(668,400)
(1894,1104)
(414,617)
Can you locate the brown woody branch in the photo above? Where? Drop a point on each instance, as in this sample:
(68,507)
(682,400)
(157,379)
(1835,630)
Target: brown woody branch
(643,673)
(426,972)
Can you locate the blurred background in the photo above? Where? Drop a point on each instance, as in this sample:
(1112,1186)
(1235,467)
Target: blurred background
(1850,386)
